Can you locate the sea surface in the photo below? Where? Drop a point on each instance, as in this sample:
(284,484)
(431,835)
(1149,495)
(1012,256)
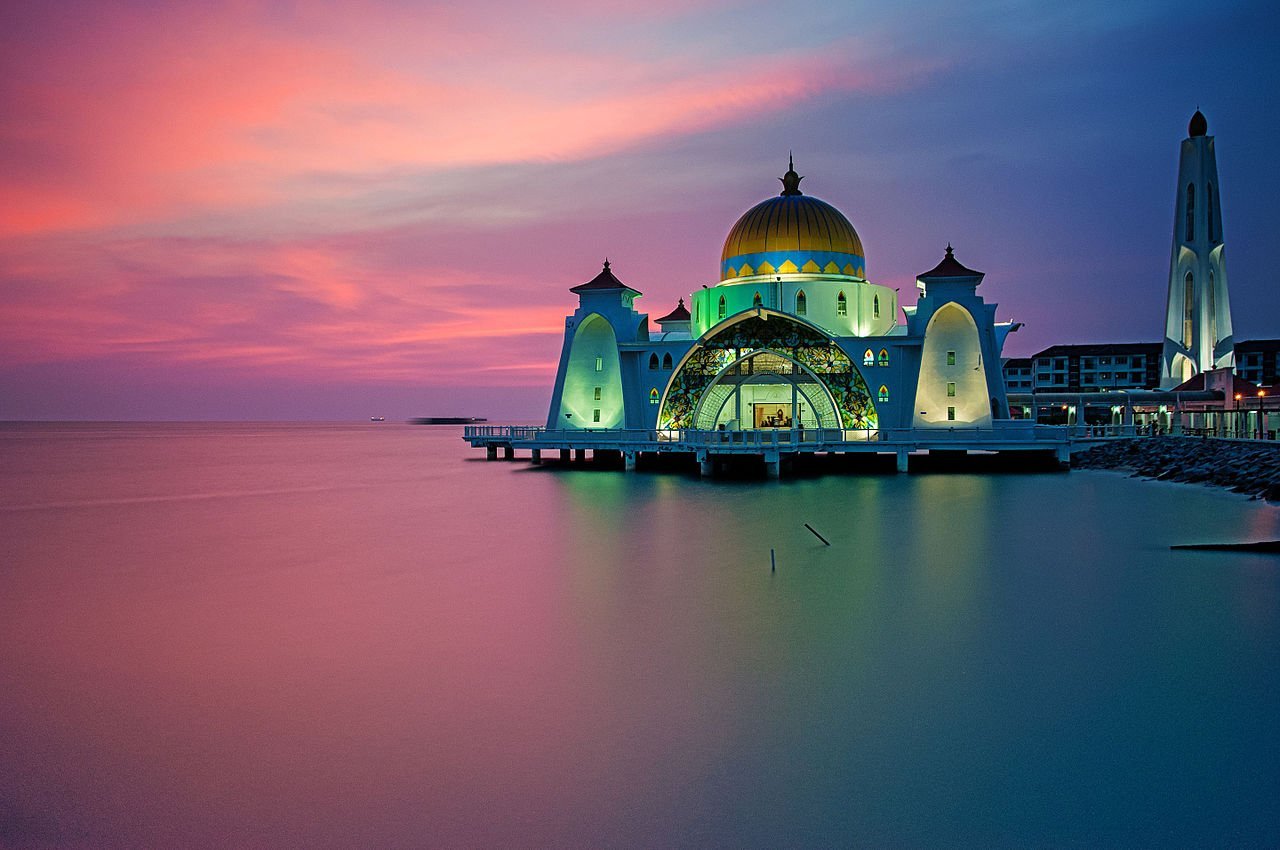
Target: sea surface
(298,635)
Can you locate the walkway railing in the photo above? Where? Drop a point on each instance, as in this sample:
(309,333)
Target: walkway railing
(999,432)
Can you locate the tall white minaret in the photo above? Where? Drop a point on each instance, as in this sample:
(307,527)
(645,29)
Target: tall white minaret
(1197,335)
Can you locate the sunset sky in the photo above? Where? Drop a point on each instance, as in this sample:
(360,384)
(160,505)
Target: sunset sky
(330,211)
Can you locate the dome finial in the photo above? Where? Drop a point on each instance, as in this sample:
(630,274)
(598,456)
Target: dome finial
(791,180)
(949,250)
(606,263)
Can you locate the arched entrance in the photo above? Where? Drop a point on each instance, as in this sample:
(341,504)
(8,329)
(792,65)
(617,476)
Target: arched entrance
(766,389)
(759,357)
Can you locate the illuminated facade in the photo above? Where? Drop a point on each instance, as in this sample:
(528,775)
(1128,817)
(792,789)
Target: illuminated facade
(1198,317)
(793,336)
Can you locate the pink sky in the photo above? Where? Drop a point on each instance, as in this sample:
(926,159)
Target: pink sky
(206,203)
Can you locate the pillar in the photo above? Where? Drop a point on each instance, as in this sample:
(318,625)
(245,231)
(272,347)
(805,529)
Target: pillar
(564,455)
(629,461)
(904,459)
(490,452)
(508,452)
(773,466)
(705,465)
(535,455)
(580,455)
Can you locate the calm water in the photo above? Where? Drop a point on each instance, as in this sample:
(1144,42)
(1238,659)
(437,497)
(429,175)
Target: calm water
(299,635)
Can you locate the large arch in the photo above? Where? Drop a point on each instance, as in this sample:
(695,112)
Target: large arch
(592,393)
(792,340)
(952,388)
(766,389)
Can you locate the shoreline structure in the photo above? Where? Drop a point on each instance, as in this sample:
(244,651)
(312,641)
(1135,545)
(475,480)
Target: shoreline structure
(1251,467)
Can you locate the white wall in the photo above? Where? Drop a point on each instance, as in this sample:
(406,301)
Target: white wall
(593,338)
(952,328)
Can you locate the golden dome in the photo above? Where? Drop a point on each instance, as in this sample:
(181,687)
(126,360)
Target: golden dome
(792,233)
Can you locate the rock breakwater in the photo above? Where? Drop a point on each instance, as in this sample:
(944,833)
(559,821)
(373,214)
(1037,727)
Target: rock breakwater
(1245,467)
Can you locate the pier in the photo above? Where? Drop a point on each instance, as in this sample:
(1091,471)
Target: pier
(779,448)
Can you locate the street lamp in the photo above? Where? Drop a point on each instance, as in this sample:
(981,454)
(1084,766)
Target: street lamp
(1261,431)
(1239,398)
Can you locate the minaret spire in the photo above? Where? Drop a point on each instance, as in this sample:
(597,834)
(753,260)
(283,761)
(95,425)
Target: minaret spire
(1198,334)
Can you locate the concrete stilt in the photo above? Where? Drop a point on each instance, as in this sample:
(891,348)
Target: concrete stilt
(904,459)
(580,455)
(564,455)
(535,455)
(629,461)
(490,452)
(773,468)
(706,466)
(508,453)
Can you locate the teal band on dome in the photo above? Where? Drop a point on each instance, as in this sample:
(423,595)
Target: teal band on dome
(799,258)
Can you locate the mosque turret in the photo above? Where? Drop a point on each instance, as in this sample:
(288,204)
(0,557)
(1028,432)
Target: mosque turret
(596,373)
(1198,315)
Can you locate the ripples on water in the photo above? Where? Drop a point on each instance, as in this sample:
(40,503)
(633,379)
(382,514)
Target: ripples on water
(299,635)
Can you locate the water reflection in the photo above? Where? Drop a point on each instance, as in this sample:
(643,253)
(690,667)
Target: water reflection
(313,635)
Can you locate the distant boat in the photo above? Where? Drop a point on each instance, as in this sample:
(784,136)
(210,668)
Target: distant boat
(377,419)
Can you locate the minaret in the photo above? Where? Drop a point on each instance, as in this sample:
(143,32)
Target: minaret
(1198,318)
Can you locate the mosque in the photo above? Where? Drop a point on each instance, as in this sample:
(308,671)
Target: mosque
(795,350)
(793,336)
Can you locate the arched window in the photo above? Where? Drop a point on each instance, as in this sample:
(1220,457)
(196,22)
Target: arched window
(721,312)
(666,361)
(883,395)
(1212,317)
(1208,200)
(842,305)
(1188,310)
(868,358)
(802,305)
(1191,211)
(756,302)
(653,362)
(884,357)
(653,396)
(875,307)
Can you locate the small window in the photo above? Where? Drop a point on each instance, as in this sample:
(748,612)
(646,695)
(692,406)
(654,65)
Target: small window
(595,415)
(653,362)
(951,389)
(883,395)
(721,312)
(951,358)
(951,414)
(1191,211)
(653,396)
(884,358)
(868,358)
(802,305)
(1188,310)
(755,301)
(875,307)
(599,364)
(597,395)
(1208,202)
(666,361)
(842,305)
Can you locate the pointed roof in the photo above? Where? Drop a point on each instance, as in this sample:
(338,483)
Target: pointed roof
(1199,126)
(949,267)
(679,314)
(603,281)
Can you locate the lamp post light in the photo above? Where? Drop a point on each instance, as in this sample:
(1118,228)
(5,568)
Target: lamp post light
(1261,431)
(1239,398)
